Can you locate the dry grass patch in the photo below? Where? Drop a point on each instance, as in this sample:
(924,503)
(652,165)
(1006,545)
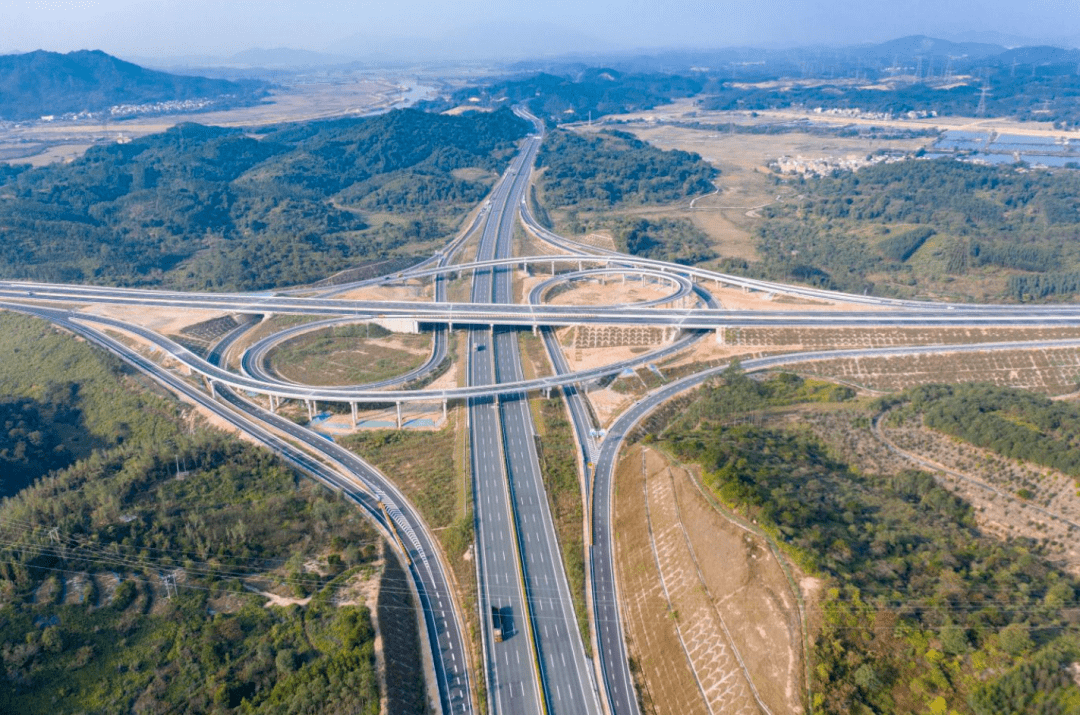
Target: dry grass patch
(1053,371)
(839,338)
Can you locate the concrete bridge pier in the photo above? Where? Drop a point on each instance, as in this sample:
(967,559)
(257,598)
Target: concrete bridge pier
(353,406)
(444,410)
(273,404)
(398,415)
(310,410)
(720,335)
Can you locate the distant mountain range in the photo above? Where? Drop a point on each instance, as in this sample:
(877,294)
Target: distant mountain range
(41,83)
(546,46)
(916,55)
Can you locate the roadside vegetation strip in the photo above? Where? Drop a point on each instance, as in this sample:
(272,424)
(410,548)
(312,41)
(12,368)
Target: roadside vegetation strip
(703,584)
(402,640)
(821,338)
(559,467)
(429,467)
(423,462)
(787,568)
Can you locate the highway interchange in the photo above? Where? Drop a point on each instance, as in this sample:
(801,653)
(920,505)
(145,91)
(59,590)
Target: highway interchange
(540,665)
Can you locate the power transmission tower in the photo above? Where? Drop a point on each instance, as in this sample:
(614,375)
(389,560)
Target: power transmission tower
(169,582)
(980,111)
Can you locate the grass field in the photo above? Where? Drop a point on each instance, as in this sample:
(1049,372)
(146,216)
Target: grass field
(266,328)
(345,356)
(559,466)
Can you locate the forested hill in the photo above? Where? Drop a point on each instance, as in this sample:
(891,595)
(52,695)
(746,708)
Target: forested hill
(48,83)
(89,625)
(593,93)
(937,228)
(214,208)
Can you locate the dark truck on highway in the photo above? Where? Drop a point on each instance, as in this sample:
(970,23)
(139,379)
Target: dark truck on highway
(496,624)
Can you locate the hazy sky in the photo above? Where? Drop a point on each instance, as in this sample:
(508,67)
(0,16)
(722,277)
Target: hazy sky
(223,27)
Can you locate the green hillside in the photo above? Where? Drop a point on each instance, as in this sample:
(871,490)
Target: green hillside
(48,83)
(134,495)
(208,207)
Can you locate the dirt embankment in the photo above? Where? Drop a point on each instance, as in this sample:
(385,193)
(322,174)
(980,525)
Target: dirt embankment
(712,622)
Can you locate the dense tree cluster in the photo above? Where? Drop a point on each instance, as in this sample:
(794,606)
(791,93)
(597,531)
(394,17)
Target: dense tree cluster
(235,513)
(956,216)
(1014,423)
(902,246)
(614,168)
(736,396)
(675,240)
(209,207)
(32,440)
(1046,285)
(63,403)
